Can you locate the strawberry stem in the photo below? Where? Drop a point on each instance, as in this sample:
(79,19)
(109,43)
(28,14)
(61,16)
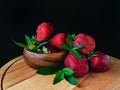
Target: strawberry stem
(90,54)
(69,46)
(76,53)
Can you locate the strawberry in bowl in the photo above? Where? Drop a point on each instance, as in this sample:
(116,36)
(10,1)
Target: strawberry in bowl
(39,52)
(58,39)
(44,31)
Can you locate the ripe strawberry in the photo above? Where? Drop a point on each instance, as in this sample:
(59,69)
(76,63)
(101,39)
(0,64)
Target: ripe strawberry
(87,41)
(99,62)
(43,32)
(58,39)
(80,67)
(51,49)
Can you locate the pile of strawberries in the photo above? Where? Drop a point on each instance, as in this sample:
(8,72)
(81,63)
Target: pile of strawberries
(81,57)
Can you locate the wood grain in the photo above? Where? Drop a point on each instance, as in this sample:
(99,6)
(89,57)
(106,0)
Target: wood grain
(17,75)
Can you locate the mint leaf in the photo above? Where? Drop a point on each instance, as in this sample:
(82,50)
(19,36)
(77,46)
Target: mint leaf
(48,70)
(71,79)
(58,77)
(66,47)
(39,45)
(68,71)
(77,47)
(70,41)
(19,44)
(77,54)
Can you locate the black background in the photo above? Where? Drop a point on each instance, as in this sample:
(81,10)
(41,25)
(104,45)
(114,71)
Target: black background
(98,18)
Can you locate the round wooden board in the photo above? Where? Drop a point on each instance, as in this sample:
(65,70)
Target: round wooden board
(16,75)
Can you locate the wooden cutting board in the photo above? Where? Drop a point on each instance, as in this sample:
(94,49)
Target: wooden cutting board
(16,75)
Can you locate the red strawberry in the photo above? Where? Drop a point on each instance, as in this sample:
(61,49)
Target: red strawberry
(99,62)
(43,32)
(80,67)
(51,49)
(87,41)
(58,39)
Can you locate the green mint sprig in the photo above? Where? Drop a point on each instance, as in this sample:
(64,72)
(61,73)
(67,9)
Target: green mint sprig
(69,46)
(60,74)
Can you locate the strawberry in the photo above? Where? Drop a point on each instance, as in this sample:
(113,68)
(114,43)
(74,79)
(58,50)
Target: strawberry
(58,39)
(86,41)
(43,32)
(99,62)
(80,67)
(51,49)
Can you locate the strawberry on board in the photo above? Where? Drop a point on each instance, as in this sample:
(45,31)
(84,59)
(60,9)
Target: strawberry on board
(43,32)
(80,67)
(86,41)
(99,62)
(58,39)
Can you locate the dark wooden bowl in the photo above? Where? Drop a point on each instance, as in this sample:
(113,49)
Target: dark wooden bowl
(36,60)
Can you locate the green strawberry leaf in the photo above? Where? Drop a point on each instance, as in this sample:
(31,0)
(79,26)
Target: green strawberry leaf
(40,44)
(71,79)
(70,41)
(28,40)
(73,36)
(66,47)
(77,47)
(19,44)
(31,47)
(49,70)
(58,77)
(33,39)
(77,54)
(68,71)
(90,54)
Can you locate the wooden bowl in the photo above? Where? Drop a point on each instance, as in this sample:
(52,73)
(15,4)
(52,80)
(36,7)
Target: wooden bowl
(36,60)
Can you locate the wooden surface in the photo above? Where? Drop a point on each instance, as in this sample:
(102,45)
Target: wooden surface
(16,75)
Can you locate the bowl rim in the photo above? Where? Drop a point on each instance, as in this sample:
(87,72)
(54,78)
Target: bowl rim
(63,51)
(54,57)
